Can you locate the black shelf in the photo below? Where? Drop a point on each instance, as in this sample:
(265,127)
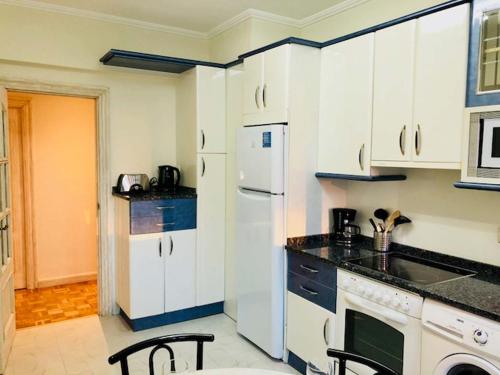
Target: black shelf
(477,186)
(336,176)
(137,60)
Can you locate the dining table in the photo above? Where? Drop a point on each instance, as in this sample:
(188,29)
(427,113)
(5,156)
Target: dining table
(238,371)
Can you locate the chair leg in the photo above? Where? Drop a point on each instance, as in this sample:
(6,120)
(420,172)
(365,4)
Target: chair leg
(124,366)
(199,355)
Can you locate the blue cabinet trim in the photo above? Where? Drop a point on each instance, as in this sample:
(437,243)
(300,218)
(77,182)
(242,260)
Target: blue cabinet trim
(351,177)
(173,317)
(297,363)
(313,291)
(477,186)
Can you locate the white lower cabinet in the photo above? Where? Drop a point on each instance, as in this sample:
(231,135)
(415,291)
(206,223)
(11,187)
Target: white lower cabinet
(180,267)
(310,331)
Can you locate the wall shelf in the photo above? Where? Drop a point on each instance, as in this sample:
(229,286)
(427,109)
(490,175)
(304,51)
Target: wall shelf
(137,60)
(335,176)
(477,186)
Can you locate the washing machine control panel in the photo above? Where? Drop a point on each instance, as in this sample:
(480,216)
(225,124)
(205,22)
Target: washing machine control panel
(480,336)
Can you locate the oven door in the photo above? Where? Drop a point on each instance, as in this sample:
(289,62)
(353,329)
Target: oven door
(377,332)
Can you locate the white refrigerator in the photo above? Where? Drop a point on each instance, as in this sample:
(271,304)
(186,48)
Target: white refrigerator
(260,235)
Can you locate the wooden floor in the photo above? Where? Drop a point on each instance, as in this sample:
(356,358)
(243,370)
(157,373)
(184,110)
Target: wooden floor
(54,304)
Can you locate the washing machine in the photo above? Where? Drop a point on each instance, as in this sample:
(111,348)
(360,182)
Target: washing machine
(455,342)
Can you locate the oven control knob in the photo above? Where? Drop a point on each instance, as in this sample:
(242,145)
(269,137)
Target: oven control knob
(406,307)
(368,291)
(386,298)
(395,302)
(480,336)
(361,289)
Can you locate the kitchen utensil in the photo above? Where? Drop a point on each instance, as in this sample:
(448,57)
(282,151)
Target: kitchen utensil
(401,220)
(373,225)
(381,214)
(390,220)
(132,182)
(169,177)
(382,241)
(380,228)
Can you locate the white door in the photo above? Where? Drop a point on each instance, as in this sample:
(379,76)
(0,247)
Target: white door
(310,331)
(393,92)
(147,275)
(211,233)
(253,77)
(260,269)
(275,89)
(211,109)
(346,107)
(7,303)
(180,268)
(440,79)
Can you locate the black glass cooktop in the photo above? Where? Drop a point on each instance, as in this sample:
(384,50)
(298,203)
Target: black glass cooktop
(416,270)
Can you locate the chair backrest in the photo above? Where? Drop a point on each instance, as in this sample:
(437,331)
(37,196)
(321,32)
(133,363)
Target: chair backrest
(162,343)
(343,357)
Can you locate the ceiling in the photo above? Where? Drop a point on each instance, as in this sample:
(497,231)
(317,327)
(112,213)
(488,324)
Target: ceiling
(196,15)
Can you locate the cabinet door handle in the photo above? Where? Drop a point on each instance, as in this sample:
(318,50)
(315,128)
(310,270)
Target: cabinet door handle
(159,247)
(164,224)
(256,96)
(310,269)
(311,292)
(402,138)
(418,140)
(202,139)
(326,330)
(203,166)
(361,156)
(161,208)
(264,95)
(171,245)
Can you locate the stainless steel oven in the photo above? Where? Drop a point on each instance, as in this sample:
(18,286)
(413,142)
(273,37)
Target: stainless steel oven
(380,322)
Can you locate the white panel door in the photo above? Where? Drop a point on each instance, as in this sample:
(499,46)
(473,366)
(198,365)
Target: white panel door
(147,275)
(393,92)
(275,89)
(7,304)
(310,331)
(211,109)
(253,77)
(180,268)
(211,228)
(440,79)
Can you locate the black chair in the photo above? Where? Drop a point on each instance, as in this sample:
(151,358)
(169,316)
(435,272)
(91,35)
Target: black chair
(161,343)
(343,357)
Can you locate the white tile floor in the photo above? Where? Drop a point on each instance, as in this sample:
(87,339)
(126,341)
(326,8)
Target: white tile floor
(82,346)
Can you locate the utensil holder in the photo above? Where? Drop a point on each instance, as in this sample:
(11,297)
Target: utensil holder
(382,241)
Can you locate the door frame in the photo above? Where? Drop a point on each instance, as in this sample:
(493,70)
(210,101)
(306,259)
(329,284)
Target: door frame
(105,261)
(24,105)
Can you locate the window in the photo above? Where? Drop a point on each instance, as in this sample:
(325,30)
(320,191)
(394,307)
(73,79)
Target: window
(489,79)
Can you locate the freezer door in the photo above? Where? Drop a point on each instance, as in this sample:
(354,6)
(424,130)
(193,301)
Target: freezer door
(260,269)
(260,154)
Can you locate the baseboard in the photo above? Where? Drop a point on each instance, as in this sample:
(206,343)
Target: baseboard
(297,363)
(90,276)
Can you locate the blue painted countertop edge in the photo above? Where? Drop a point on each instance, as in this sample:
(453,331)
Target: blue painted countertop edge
(336,176)
(476,186)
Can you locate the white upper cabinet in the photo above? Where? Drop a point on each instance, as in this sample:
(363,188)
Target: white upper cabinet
(265,85)
(211,109)
(440,80)
(393,92)
(345,120)
(180,268)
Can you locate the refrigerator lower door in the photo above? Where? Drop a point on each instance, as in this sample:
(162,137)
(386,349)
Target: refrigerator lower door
(260,269)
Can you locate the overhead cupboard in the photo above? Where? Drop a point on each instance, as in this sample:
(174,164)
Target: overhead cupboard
(395,97)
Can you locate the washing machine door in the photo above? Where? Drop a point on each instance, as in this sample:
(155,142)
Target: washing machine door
(465,364)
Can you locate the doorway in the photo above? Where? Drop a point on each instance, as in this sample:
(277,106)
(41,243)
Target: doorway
(53,157)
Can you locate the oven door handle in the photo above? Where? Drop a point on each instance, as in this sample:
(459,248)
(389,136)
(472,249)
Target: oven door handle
(378,310)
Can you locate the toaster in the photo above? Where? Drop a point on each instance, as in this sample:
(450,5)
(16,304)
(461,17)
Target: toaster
(132,183)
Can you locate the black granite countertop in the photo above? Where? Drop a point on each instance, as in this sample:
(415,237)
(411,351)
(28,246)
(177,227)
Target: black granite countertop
(478,294)
(180,192)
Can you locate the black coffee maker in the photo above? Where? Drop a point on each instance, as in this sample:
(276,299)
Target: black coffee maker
(344,231)
(169,177)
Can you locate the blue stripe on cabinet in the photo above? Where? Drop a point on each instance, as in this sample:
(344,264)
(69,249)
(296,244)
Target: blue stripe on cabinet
(173,317)
(297,363)
(313,291)
(337,176)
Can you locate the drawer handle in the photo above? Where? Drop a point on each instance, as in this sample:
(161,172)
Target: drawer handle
(165,207)
(418,140)
(202,139)
(402,142)
(164,224)
(325,331)
(361,157)
(255,95)
(311,292)
(171,245)
(310,269)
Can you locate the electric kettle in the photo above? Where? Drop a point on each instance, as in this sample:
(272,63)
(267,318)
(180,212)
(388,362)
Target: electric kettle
(169,177)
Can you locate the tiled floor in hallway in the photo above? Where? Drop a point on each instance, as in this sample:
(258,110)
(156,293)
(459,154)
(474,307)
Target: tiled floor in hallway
(56,303)
(82,346)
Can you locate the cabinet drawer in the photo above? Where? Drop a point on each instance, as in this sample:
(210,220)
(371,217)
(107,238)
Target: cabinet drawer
(162,216)
(312,291)
(313,269)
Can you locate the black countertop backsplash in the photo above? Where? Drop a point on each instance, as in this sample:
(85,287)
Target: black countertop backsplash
(478,294)
(180,192)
